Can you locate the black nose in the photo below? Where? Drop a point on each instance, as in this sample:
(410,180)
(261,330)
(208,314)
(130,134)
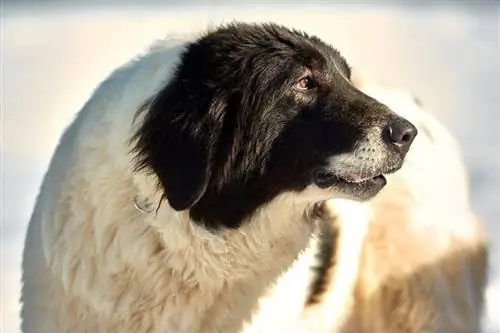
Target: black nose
(401,133)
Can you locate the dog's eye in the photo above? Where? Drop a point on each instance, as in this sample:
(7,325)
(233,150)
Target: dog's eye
(306,83)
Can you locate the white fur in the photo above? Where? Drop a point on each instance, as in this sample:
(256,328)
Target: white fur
(337,302)
(282,309)
(95,263)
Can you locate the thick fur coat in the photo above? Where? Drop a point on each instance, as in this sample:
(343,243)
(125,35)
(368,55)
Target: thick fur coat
(191,178)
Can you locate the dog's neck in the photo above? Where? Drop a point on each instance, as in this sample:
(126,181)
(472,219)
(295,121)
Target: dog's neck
(276,233)
(224,272)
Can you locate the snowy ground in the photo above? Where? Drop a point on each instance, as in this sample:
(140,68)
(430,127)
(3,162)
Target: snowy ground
(52,59)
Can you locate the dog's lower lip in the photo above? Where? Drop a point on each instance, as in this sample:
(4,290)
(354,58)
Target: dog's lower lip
(326,179)
(376,179)
(379,179)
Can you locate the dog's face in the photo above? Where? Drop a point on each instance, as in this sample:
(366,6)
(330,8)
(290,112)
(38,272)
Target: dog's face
(254,111)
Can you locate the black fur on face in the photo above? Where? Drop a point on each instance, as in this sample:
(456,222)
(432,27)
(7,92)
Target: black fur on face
(253,111)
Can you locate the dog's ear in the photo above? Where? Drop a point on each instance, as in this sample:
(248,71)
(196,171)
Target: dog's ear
(178,139)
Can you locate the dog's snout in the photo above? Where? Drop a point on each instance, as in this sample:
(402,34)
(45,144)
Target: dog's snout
(401,133)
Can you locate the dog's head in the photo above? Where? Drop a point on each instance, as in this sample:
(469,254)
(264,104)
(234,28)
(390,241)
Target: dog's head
(253,111)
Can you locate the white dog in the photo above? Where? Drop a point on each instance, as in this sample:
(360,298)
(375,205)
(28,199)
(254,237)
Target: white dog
(191,180)
(412,260)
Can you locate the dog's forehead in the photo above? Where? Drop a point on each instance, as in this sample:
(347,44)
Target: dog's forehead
(288,49)
(323,56)
(315,50)
(326,61)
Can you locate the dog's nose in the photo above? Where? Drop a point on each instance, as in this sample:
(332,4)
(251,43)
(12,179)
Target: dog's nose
(401,133)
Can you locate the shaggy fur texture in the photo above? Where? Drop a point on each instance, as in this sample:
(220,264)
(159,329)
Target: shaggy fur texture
(234,139)
(423,266)
(411,260)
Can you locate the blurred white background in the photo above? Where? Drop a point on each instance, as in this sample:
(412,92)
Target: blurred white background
(54,53)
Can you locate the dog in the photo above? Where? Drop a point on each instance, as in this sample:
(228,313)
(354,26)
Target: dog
(412,259)
(191,178)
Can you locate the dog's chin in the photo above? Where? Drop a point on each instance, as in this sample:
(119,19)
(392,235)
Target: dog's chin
(359,189)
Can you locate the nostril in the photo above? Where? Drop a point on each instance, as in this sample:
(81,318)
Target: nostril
(406,137)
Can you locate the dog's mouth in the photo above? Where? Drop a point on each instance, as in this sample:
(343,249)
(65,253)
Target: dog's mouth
(354,186)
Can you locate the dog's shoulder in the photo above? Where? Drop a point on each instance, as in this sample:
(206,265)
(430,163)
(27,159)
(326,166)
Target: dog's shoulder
(84,216)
